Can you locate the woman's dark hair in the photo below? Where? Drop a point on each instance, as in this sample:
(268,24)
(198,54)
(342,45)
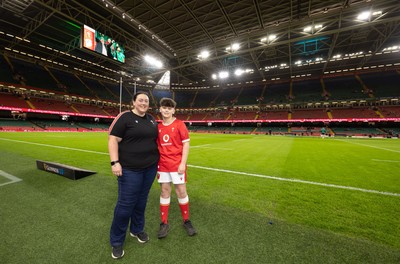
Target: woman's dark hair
(137,93)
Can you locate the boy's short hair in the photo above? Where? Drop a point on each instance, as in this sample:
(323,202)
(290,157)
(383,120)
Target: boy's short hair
(167,102)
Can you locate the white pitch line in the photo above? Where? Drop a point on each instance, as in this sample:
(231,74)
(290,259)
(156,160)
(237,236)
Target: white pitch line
(52,146)
(200,146)
(235,172)
(211,148)
(12,178)
(379,160)
(299,181)
(365,145)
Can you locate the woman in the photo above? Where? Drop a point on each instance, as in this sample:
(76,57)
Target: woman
(134,157)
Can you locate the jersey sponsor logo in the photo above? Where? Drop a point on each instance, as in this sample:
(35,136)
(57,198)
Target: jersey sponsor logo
(166,138)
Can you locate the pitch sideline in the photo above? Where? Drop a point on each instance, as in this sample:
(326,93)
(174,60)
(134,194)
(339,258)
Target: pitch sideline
(233,172)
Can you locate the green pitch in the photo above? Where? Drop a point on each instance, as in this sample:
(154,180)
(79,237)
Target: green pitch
(254,199)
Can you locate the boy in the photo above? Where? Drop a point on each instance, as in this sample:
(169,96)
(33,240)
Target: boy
(173,145)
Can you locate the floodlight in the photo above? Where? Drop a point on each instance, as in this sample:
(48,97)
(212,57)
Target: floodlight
(153,61)
(204,54)
(239,72)
(223,74)
(364,15)
(377,13)
(235,46)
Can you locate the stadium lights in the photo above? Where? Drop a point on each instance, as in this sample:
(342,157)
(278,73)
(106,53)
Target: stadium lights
(204,54)
(239,72)
(366,15)
(153,61)
(234,47)
(377,13)
(392,48)
(223,74)
(269,38)
(310,29)
(354,54)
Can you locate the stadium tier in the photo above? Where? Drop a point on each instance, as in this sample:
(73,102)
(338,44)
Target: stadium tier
(390,111)
(354,113)
(347,98)
(310,114)
(13,100)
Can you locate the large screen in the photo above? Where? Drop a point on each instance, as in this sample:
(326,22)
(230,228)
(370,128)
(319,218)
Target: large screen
(98,42)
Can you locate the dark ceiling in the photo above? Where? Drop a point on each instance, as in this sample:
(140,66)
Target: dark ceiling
(177,31)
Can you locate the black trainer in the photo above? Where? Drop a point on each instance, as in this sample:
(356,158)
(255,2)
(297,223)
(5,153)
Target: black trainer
(163,232)
(117,252)
(142,237)
(189,228)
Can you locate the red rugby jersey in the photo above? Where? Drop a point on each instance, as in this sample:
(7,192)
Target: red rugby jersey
(170,145)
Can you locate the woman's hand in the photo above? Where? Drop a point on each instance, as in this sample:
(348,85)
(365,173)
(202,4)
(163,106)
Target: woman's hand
(117,169)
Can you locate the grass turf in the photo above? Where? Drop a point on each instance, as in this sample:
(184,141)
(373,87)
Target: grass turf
(241,217)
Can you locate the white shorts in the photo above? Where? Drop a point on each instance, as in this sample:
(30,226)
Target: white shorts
(174,177)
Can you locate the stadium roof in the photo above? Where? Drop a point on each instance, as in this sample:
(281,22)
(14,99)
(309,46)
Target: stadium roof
(278,39)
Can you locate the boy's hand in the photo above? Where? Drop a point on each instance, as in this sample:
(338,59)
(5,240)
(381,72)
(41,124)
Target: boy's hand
(181,168)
